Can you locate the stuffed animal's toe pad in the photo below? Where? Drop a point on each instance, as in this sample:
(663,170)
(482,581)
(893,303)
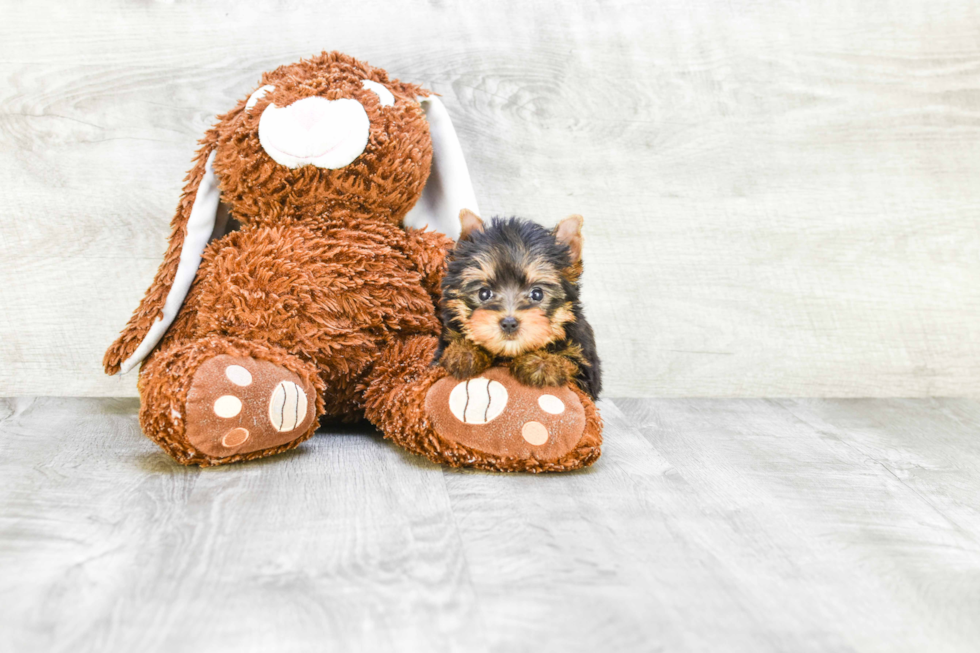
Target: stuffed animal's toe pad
(496,415)
(239,405)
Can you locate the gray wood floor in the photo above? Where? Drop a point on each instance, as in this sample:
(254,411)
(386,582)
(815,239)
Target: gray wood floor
(708,525)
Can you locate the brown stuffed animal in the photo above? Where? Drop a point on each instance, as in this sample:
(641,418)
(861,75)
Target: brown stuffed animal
(297,286)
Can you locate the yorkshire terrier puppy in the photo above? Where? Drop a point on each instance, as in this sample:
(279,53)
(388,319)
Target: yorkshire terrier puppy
(511,293)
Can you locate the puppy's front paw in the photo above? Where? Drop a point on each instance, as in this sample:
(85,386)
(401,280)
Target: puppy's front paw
(541,368)
(464,360)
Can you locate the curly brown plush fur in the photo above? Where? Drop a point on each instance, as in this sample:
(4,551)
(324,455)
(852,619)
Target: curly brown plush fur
(380,186)
(320,281)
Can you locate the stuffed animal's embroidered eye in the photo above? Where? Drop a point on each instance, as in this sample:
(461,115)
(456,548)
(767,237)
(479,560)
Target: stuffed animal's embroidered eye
(254,98)
(537,294)
(384,95)
(485,294)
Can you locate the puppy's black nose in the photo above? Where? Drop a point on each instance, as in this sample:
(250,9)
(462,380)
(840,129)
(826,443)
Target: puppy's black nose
(509,324)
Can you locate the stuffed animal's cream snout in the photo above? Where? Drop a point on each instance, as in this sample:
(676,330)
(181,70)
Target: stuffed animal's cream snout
(315,131)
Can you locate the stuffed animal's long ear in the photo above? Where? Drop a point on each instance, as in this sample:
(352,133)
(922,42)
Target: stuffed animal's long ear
(448,189)
(199,216)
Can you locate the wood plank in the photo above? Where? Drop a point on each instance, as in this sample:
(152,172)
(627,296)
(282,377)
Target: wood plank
(846,528)
(107,545)
(737,525)
(779,199)
(601,559)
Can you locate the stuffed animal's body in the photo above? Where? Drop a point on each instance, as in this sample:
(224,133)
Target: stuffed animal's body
(321,302)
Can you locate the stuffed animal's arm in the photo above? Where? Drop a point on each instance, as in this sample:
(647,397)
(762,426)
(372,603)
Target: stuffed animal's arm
(428,250)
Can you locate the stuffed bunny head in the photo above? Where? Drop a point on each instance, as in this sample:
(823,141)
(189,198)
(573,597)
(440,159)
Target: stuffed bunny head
(327,136)
(332,138)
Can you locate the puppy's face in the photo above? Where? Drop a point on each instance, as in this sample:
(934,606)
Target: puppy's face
(508,288)
(327,135)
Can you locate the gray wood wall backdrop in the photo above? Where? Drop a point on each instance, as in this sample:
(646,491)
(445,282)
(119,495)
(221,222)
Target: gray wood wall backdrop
(781,198)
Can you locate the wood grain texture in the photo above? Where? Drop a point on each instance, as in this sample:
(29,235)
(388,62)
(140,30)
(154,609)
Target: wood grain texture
(108,545)
(780,199)
(707,525)
(840,524)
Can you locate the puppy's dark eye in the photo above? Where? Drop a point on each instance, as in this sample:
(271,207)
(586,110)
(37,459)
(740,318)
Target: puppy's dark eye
(485,294)
(537,294)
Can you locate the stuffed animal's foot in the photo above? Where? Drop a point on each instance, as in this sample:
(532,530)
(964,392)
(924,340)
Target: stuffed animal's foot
(494,422)
(240,401)
(238,405)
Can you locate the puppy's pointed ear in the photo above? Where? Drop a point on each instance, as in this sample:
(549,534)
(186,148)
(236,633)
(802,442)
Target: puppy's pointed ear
(569,232)
(469,223)
(448,188)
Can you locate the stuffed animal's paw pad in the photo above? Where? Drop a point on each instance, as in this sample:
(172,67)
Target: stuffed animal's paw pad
(287,406)
(477,401)
(551,404)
